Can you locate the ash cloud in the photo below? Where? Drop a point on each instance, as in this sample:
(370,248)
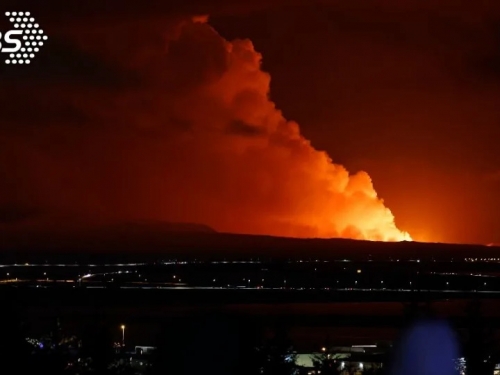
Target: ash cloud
(193,137)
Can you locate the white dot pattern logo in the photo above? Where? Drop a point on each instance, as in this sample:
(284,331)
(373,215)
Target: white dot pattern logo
(32,38)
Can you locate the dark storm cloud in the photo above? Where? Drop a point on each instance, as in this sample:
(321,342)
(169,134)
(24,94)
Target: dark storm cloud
(66,64)
(50,90)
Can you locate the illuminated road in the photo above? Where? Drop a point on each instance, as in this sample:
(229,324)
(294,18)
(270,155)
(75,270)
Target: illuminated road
(299,275)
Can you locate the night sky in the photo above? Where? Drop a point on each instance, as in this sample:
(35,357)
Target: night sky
(142,111)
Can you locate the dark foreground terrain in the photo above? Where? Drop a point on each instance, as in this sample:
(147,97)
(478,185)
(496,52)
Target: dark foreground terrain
(151,241)
(224,326)
(84,301)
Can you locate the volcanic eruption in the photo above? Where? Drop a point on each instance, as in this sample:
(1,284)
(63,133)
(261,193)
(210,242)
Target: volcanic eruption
(190,135)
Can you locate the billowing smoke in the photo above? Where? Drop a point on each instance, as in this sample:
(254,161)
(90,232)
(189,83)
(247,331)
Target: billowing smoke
(186,132)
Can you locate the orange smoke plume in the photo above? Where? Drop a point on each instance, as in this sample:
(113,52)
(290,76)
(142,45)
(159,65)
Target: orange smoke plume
(194,138)
(294,189)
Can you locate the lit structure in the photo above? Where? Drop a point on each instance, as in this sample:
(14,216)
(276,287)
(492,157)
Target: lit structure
(123,334)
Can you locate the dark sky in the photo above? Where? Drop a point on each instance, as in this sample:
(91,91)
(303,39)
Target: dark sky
(131,111)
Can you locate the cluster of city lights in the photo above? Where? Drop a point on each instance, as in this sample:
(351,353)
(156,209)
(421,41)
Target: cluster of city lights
(34,342)
(482,259)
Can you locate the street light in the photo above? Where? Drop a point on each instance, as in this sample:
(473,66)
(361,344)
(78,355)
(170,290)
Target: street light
(123,334)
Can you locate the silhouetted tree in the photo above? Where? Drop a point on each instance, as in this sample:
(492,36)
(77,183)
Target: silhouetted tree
(277,355)
(97,343)
(250,339)
(326,363)
(51,358)
(15,351)
(200,344)
(56,334)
